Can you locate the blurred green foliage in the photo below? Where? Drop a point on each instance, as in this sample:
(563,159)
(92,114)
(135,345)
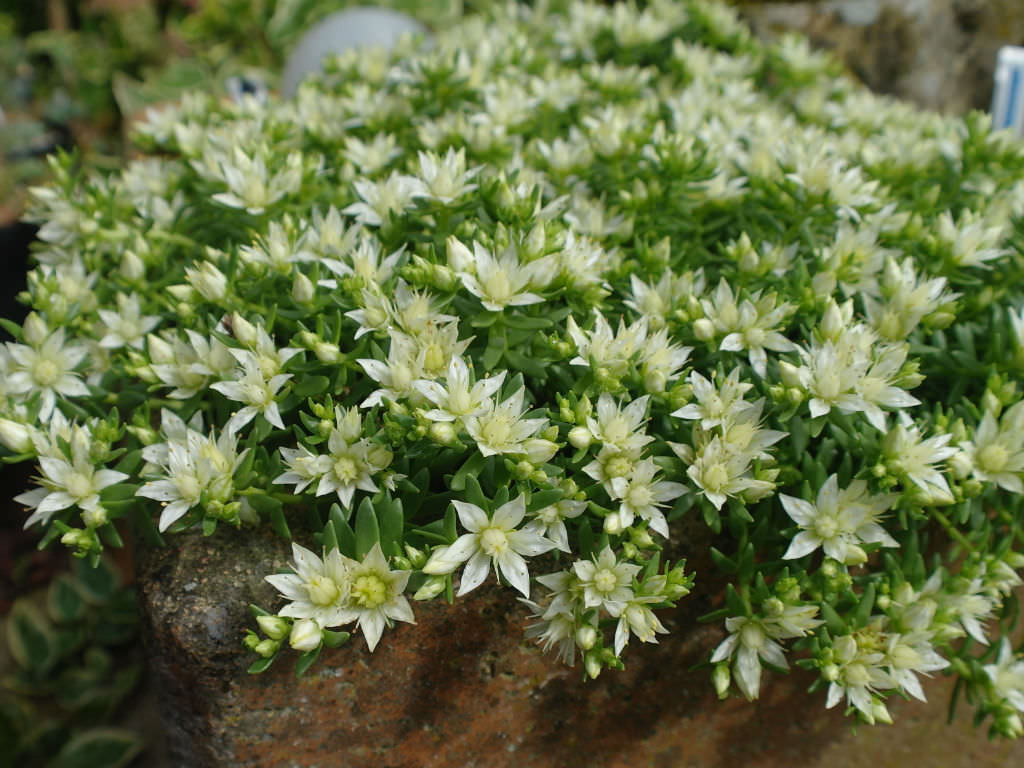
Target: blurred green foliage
(71,673)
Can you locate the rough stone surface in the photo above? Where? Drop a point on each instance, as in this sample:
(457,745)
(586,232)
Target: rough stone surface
(939,54)
(464,689)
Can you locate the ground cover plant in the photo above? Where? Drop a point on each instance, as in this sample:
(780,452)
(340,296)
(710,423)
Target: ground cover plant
(540,292)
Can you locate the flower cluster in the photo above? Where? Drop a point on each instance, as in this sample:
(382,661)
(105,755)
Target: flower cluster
(517,304)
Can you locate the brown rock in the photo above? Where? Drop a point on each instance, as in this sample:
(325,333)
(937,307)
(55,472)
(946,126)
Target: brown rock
(464,688)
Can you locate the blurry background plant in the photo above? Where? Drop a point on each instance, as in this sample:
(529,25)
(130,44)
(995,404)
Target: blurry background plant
(64,685)
(75,70)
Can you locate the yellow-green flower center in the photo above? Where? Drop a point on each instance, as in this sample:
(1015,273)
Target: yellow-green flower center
(993,458)
(605,580)
(79,485)
(369,591)
(434,361)
(493,541)
(188,487)
(618,466)
(497,287)
(46,373)
(322,590)
(716,477)
(496,431)
(640,496)
(856,675)
(346,470)
(826,527)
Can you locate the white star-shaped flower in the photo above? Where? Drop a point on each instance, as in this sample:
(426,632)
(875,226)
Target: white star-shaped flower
(491,541)
(838,522)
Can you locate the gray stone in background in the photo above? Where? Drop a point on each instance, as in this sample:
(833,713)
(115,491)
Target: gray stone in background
(193,596)
(939,54)
(351,28)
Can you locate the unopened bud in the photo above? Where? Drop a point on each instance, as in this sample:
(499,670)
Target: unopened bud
(831,325)
(34,330)
(641,538)
(655,381)
(460,258)
(417,557)
(132,267)
(326,352)
(855,555)
(613,524)
(789,373)
(586,637)
(580,438)
(267,647)
(990,402)
(305,636)
(183,293)
(880,712)
(442,432)
(749,261)
(379,456)
(94,518)
(16,437)
(721,678)
(79,540)
(209,282)
(243,330)
(274,627)
(592,663)
(431,588)
(704,329)
(303,290)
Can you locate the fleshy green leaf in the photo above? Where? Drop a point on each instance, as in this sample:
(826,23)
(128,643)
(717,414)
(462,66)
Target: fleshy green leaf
(261,665)
(64,602)
(31,638)
(367,529)
(100,748)
(343,532)
(392,526)
(306,661)
(96,584)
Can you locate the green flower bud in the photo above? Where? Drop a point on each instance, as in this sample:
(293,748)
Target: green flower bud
(613,524)
(327,353)
(586,637)
(704,329)
(274,627)
(442,432)
(641,538)
(431,588)
(79,540)
(94,518)
(580,438)
(880,712)
(303,290)
(16,437)
(306,635)
(267,647)
(523,470)
(721,678)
